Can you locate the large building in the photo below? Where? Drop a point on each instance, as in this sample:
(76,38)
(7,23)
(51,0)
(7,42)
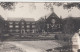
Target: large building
(28,25)
(20,25)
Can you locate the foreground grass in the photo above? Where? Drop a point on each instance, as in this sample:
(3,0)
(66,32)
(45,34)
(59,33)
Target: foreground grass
(6,47)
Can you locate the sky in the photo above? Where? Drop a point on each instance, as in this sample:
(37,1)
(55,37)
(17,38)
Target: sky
(28,10)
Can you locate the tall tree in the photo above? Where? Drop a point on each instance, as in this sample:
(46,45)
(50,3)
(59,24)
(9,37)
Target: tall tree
(2,22)
(69,25)
(41,25)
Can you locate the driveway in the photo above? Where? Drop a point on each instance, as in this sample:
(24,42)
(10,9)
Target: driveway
(35,46)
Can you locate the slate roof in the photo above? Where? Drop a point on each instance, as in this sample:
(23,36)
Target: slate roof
(19,19)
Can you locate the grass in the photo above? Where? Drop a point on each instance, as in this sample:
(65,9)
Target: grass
(6,47)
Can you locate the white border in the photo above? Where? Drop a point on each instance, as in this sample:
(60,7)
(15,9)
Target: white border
(39,0)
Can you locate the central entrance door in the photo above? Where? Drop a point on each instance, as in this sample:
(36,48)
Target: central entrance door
(22,31)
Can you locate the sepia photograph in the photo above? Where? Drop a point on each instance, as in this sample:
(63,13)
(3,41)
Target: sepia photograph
(39,26)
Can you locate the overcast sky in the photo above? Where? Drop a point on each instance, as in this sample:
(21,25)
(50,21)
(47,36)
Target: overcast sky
(28,10)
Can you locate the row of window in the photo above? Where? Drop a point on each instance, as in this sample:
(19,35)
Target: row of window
(17,26)
(17,30)
(21,23)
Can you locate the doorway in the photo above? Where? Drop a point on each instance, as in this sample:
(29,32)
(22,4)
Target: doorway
(22,31)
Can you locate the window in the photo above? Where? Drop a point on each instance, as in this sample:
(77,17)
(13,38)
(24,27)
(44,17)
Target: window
(47,25)
(22,26)
(11,26)
(10,30)
(28,26)
(33,31)
(17,30)
(5,24)
(33,23)
(10,22)
(33,26)
(27,22)
(28,30)
(16,22)
(53,21)
(75,46)
(22,23)
(16,26)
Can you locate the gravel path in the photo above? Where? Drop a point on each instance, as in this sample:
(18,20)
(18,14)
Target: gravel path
(35,46)
(26,48)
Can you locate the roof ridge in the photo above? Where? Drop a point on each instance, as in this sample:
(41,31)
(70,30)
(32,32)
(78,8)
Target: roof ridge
(18,19)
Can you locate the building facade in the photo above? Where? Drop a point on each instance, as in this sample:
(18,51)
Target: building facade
(53,23)
(20,25)
(28,25)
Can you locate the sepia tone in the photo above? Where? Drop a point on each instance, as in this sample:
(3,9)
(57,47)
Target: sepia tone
(39,27)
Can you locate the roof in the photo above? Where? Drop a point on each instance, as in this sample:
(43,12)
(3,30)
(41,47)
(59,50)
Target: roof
(52,15)
(19,19)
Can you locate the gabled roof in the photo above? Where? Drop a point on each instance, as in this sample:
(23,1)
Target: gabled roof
(52,15)
(19,19)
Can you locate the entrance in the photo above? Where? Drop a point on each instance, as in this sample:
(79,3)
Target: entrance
(23,31)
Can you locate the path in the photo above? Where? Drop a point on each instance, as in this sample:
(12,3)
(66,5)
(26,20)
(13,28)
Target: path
(35,46)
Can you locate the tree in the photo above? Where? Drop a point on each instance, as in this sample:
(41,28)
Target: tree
(8,5)
(65,5)
(41,24)
(69,25)
(1,23)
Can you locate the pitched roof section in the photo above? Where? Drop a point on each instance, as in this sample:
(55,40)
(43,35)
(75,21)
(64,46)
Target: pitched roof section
(19,19)
(52,15)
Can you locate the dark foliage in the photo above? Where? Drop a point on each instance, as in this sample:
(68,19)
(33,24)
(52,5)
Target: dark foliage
(2,22)
(71,25)
(69,5)
(66,5)
(41,24)
(7,5)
